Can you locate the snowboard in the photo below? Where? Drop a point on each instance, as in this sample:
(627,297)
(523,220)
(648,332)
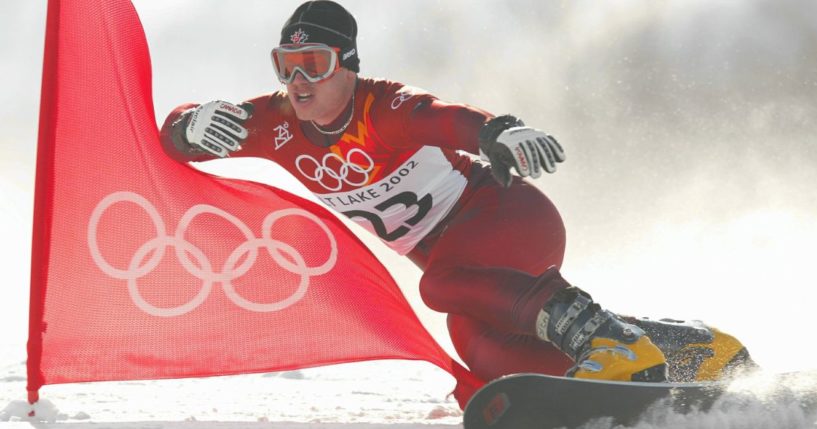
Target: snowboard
(536,401)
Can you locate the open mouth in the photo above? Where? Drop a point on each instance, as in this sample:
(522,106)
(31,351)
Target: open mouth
(302,97)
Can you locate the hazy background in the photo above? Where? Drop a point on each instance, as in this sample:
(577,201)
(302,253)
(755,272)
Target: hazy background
(689,127)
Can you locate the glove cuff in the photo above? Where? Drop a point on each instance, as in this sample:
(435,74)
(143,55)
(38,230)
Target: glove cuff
(494,127)
(178,134)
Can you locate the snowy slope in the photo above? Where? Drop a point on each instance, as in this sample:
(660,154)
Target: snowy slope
(378,395)
(372,392)
(229,425)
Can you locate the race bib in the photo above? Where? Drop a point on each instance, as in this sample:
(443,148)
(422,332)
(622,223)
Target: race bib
(405,205)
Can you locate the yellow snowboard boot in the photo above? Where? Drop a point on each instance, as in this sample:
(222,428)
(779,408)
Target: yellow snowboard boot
(695,351)
(602,345)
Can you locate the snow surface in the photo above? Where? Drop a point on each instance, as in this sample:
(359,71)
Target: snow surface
(370,395)
(383,392)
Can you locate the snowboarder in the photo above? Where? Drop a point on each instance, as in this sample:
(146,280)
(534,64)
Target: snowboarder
(489,243)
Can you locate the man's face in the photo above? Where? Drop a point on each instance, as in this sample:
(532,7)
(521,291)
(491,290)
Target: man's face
(323,101)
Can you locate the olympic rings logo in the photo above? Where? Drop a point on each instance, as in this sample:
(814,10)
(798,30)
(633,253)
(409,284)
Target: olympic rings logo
(340,176)
(282,253)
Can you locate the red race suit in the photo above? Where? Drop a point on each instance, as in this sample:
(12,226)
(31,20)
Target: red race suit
(399,171)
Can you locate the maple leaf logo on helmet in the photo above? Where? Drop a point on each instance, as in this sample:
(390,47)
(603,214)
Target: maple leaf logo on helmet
(299,37)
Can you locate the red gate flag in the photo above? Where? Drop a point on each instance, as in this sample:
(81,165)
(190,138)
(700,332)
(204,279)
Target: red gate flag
(144,268)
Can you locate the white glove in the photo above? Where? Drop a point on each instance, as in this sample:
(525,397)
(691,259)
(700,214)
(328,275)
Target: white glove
(506,142)
(532,150)
(217,127)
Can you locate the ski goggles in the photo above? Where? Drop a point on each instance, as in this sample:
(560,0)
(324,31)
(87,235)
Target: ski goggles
(315,61)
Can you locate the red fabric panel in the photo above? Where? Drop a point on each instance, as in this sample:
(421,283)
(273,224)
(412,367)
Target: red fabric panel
(145,268)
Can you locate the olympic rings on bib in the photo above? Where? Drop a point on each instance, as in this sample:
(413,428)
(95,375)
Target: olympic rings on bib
(342,174)
(200,266)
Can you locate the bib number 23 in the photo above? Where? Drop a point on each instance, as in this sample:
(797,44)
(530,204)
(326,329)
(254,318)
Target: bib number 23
(406,199)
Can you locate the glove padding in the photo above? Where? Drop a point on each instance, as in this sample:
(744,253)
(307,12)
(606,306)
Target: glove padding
(217,127)
(506,142)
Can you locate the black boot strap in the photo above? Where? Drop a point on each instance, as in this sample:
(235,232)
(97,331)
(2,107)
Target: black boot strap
(582,336)
(571,314)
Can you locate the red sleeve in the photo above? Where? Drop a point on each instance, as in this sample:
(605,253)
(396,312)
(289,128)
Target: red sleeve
(447,125)
(411,117)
